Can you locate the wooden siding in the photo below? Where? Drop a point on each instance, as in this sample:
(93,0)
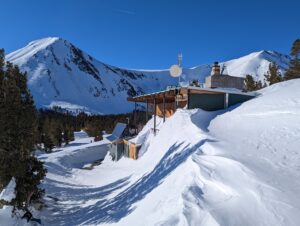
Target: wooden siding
(131,150)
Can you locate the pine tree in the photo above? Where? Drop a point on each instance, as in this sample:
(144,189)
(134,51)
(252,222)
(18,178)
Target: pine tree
(258,85)
(57,133)
(47,136)
(294,68)
(250,84)
(273,75)
(18,121)
(68,134)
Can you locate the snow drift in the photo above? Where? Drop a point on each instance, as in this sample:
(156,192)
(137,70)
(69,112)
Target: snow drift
(235,167)
(239,166)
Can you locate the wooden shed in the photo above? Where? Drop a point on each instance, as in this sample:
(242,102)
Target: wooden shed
(116,146)
(121,145)
(131,150)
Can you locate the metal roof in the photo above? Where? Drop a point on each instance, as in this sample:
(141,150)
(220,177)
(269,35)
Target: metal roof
(117,132)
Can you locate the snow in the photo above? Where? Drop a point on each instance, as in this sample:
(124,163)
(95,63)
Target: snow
(58,77)
(239,166)
(8,193)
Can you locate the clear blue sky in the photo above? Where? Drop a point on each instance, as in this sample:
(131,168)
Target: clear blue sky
(149,34)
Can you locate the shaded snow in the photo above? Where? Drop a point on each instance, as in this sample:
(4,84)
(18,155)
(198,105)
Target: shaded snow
(8,193)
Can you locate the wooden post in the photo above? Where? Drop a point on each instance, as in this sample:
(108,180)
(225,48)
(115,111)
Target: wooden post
(147,111)
(164,107)
(154,120)
(175,100)
(188,98)
(135,126)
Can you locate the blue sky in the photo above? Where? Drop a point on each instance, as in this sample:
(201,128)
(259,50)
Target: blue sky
(149,34)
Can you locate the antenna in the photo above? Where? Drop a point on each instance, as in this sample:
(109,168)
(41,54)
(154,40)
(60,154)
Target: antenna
(175,70)
(223,69)
(180,60)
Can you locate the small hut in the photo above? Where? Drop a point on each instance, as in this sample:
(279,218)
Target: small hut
(116,146)
(121,143)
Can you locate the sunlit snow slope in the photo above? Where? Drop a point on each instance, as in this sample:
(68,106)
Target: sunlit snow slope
(60,74)
(235,167)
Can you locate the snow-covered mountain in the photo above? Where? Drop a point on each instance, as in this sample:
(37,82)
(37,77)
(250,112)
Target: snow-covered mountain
(60,74)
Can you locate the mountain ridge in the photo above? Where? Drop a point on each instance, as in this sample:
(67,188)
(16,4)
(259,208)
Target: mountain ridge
(60,74)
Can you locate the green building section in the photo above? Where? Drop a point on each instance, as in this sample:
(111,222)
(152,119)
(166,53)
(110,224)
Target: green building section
(237,98)
(207,102)
(214,102)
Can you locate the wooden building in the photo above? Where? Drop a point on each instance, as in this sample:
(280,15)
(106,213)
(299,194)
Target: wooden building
(165,103)
(220,92)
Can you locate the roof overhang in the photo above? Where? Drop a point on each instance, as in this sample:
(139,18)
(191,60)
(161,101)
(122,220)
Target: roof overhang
(170,94)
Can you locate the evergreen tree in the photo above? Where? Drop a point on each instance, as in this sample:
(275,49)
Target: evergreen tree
(258,85)
(58,136)
(294,68)
(47,135)
(18,120)
(250,84)
(68,134)
(273,75)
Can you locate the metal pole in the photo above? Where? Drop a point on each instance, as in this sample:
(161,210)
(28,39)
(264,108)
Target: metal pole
(226,97)
(164,107)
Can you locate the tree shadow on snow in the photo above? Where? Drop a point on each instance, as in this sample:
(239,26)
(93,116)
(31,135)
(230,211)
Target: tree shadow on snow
(75,144)
(115,208)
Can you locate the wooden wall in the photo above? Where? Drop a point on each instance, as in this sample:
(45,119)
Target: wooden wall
(131,150)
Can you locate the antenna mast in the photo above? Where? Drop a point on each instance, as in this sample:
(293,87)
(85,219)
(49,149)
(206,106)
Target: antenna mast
(179,58)
(223,69)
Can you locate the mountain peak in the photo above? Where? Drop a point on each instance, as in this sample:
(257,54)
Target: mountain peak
(44,41)
(22,55)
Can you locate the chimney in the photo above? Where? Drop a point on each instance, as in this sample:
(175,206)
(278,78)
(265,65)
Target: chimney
(216,69)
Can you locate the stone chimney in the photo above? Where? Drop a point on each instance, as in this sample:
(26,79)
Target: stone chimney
(216,70)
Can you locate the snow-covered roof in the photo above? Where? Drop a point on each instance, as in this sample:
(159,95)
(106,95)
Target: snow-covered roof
(224,90)
(117,132)
(212,90)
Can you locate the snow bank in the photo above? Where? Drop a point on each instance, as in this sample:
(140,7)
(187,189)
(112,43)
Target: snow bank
(202,168)
(8,193)
(234,167)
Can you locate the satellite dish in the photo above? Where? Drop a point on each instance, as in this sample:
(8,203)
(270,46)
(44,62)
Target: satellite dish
(175,70)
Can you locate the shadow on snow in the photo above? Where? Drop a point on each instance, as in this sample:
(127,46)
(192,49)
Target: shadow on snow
(115,208)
